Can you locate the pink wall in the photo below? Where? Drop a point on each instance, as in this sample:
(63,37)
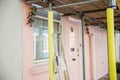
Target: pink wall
(100,53)
(87,56)
(30,70)
(27,44)
(95,52)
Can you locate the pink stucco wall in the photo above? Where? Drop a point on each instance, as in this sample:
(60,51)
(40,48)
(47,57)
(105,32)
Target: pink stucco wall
(95,51)
(100,53)
(27,44)
(30,70)
(87,56)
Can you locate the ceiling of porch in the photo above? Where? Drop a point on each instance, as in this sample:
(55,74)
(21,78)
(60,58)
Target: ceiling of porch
(94,11)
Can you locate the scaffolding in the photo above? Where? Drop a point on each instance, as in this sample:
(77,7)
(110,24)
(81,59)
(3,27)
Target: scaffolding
(110,29)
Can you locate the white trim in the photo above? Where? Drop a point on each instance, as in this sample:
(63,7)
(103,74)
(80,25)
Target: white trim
(41,62)
(73,19)
(117,44)
(34,45)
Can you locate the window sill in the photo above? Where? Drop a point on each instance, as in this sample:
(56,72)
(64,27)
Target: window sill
(40,66)
(41,62)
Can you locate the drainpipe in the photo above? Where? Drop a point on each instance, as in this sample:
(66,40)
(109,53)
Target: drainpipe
(111,39)
(90,52)
(83,47)
(51,42)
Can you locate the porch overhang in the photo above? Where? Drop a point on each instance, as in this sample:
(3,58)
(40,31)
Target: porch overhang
(93,10)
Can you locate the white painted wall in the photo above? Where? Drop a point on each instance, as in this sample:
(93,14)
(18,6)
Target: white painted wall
(10,40)
(117,42)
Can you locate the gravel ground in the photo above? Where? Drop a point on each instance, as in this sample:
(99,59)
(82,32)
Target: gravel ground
(107,77)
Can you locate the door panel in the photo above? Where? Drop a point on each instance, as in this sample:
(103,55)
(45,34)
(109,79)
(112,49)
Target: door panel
(71,40)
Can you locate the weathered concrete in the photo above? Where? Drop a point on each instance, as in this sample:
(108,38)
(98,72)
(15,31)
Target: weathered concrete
(10,40)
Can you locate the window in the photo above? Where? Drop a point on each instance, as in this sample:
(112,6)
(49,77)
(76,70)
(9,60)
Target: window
(41,38)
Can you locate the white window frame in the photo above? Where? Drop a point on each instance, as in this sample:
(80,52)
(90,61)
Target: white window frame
(42,61)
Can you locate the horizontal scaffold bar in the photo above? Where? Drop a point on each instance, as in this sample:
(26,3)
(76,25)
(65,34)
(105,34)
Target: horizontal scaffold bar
(71,4)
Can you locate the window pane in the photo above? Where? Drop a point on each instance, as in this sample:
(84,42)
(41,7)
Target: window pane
(38,39)
(45,43)
(45,39)
(41,38)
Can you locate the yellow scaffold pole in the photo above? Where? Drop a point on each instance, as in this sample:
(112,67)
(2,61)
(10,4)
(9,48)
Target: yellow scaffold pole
(51,43)
(111,43)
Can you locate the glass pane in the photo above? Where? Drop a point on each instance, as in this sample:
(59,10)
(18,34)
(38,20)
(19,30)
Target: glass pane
(45,43)
(45,39)
(41,38)
(37,38)
(39,44)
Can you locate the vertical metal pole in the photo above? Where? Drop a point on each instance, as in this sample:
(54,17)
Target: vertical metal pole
(111,39)
(51,42)
(83,47)
(111,43)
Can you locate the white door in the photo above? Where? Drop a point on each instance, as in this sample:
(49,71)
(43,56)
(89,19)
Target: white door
(71,41)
